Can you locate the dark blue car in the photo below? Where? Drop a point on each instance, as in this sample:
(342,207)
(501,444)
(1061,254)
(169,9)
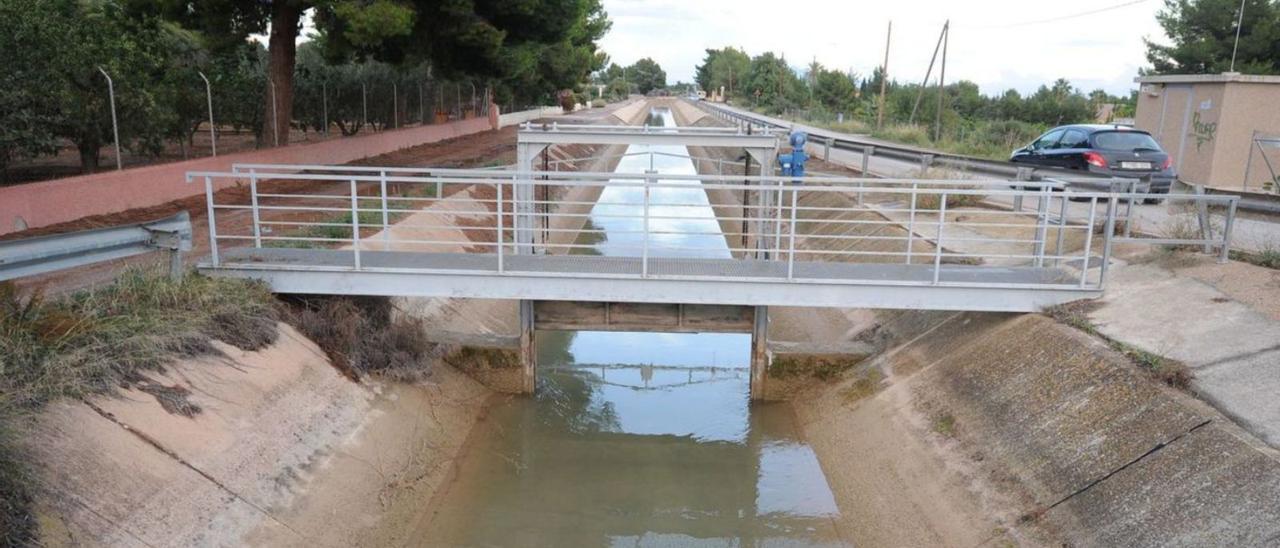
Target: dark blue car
(1116,151)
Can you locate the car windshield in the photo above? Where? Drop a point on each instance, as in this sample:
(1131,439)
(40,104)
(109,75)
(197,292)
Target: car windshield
(1124,140)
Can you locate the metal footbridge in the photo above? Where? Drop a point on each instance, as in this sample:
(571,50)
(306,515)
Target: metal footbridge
(536,235)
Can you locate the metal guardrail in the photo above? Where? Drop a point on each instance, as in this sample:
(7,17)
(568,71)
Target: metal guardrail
(43,254)
(925,158)
(652,216)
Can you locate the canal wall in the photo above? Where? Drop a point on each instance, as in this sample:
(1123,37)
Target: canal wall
(284,444)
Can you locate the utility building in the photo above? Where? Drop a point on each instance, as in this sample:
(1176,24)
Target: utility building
(1223,130)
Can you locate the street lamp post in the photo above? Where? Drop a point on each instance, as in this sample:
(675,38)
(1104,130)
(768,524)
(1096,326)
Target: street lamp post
(115,126)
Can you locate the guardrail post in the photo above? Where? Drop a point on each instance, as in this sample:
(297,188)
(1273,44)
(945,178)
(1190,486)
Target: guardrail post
(253,201)
(355,224)
(1226,232)
(213,221)
(937,251)
(926,162)
(1024,174)
(826,149)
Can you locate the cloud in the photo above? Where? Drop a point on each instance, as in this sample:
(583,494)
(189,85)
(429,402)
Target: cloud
(990,44)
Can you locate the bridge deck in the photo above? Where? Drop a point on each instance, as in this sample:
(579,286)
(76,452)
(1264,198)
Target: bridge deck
(668,280)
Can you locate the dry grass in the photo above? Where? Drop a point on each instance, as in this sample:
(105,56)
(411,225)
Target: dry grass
(364,336)
(95,342)
(862,387)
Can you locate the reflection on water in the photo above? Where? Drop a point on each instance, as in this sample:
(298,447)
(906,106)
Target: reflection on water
(638,439)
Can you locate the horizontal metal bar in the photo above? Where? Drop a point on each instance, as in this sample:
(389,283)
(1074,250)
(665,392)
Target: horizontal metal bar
(43,254)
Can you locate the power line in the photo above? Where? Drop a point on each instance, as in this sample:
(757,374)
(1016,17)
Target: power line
(1065,17)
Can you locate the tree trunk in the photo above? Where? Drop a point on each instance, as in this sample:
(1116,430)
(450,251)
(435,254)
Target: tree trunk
(282,53)
(88,157)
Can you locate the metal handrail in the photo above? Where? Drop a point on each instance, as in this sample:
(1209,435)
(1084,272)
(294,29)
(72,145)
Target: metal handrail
(792,224)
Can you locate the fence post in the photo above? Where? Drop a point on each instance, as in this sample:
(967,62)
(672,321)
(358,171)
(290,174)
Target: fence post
(324,106)
(395,106)
(208,93)
(115,126)
(1062,229)
(1110,229)
(500,253)
(364,103)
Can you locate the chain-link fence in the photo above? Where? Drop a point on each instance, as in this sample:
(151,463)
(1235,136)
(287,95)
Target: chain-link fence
(226,105)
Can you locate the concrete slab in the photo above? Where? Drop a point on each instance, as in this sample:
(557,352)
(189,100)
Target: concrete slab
(1232,349)
(1207,488)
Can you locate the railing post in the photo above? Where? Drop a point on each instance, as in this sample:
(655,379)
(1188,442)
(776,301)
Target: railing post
(867,152)
(439,189)
(253,202)
(791,246)
(644,257)
(777,222)
(387,225)
(937,251)
(1042,225)
(355,224)
(501,267)
(1128,212)
(213,221)
(1226,232)
(1062,228)
(911,221)
(1202,211)
(1088,241)
(1110,229)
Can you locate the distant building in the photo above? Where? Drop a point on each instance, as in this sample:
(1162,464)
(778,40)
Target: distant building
(1216,126)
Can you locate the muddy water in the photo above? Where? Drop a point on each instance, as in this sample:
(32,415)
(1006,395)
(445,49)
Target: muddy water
(641,439)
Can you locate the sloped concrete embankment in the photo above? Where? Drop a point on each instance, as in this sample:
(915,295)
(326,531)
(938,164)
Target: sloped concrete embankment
(1078,444)
(283,445)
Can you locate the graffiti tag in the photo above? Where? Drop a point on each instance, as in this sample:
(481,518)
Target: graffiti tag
(1204,132)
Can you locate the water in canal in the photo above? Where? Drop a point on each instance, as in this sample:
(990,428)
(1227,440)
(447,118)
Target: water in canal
(639,439)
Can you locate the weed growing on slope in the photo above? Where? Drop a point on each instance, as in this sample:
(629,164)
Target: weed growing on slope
(364,336)
(1169,371)
(99,340)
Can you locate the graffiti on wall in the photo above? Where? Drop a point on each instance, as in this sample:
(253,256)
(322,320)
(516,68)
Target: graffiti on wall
(1204,132)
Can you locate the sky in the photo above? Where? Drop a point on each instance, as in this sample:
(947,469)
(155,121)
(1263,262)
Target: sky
(999,44)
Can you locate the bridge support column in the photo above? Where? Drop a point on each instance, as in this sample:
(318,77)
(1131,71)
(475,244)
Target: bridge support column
(528,348)
(759,352)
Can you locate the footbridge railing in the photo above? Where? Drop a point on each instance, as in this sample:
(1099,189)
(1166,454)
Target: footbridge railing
(643,237)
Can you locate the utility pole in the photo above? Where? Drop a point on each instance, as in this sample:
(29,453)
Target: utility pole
(924,84)
(1236,47)
(395,106)
(942,82)
(884,77)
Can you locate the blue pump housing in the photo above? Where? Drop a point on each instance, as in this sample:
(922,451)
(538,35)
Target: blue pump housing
(792,164)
